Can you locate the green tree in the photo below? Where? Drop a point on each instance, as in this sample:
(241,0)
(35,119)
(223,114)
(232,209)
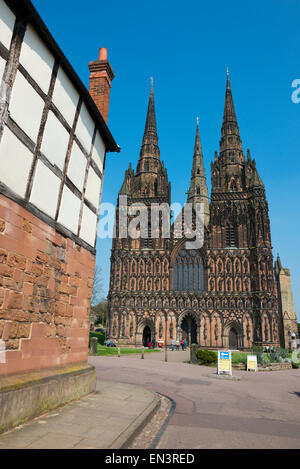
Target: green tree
(99,313)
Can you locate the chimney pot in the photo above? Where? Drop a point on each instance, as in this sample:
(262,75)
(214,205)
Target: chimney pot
(103,53)
(100,82)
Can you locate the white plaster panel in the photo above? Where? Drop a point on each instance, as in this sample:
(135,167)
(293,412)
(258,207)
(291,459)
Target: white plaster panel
(2,68)
(77,167)
(65,96)
(93,188)
(7,22)
(55,141)
(45,190)
(88,226)
(69,210)
(15,163)
(37,59)
(26,107)
(99,152)
(85,128)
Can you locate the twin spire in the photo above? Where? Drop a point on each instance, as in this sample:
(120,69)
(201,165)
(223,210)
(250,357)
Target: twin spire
(150,148)
(231,149)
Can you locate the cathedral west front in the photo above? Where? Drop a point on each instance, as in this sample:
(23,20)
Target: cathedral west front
(227,293)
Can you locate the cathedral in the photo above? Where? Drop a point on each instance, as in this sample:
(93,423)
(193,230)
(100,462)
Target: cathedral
(226,294)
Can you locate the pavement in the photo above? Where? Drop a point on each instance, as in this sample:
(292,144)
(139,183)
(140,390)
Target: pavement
(256,410)
(260,410)
(110,418)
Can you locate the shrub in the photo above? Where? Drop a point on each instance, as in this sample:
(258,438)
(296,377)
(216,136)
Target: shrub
(295,365)
(278,355)
(100,336)
(207,357)
(259,352)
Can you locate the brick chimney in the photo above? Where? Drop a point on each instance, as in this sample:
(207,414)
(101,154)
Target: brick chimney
(100,82)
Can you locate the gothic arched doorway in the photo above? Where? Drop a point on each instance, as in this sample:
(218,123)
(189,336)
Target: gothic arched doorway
(189,329)
(146,336)
(233,339)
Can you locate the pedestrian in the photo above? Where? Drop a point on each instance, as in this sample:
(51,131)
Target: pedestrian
(172,344)
(182,345)
(185,344)
(153,343)
(177,345)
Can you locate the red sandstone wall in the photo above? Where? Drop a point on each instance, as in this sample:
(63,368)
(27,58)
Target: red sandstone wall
(45,289)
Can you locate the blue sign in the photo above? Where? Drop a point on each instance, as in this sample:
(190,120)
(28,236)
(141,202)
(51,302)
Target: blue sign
(224,356)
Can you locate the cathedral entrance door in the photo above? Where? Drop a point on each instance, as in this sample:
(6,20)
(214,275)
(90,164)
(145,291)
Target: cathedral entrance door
(146,336)
(189,329)
(233,339)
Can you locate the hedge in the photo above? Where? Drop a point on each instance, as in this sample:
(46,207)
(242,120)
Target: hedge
(207,357)
(99,335)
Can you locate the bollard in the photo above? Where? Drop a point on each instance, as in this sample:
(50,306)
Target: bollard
(166,353)
(193,353)
(119,352)
(143,353)
(94,346)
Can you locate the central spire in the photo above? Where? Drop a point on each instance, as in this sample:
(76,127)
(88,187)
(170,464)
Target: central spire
(198,192)
(150,148)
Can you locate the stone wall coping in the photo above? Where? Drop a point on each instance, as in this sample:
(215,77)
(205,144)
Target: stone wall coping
(21,381)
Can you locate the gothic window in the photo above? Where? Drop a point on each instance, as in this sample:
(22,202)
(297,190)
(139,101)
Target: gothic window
(231,235)
(186,277)
(198,191)
(146,166)
(175,281)
(188,271)
(246,266)
(233,186)
(148,242)
(198,171)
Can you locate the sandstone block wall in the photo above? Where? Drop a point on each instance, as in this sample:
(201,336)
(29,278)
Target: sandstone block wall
(46,284)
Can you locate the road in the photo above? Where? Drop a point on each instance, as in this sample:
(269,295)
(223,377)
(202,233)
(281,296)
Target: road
(261,410)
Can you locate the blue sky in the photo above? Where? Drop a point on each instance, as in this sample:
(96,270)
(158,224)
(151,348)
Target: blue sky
(186,47)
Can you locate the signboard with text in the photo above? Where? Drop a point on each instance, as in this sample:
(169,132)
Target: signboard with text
(252,363)
(224,363)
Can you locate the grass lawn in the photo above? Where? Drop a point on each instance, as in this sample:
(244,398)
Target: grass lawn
(103,350)
(239,357)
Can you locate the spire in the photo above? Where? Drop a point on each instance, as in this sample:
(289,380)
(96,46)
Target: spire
(150,148)
(231,149)
(198,192)
(150,134)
